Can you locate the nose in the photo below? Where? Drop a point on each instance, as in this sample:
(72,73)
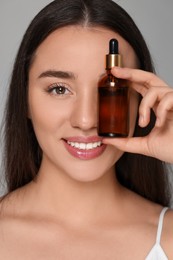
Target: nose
(84,114)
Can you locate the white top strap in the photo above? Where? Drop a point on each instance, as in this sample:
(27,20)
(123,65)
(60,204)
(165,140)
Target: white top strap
(160,225)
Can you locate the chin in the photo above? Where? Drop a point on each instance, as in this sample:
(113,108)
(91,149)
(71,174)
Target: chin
(92,170)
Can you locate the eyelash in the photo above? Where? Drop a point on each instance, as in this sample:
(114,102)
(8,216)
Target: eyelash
(54,88)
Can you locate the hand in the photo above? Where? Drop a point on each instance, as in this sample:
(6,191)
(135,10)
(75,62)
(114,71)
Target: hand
(157,95)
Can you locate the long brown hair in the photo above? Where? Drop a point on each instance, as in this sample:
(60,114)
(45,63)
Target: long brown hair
(22,156)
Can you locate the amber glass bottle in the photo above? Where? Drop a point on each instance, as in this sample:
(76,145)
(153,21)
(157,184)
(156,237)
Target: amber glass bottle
(113,99)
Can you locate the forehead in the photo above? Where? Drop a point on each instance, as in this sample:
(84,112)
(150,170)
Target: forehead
(77,44)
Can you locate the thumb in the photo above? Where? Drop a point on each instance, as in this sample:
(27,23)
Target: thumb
(131,144)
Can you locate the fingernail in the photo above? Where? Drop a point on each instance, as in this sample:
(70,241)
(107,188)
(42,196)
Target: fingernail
(116,68)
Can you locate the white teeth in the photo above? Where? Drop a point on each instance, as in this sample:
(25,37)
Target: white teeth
(85,146)
(82,146)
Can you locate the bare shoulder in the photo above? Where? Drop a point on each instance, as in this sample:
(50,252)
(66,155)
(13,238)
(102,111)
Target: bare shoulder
(150,213)
(7,210)
(167,234)
(7,205)
(6,225)
(15,231)
(10,212)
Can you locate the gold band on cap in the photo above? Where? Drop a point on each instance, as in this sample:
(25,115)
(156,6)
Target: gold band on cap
(113,60)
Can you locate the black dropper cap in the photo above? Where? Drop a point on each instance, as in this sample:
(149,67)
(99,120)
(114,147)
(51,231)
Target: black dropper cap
(113,46)
(113,58)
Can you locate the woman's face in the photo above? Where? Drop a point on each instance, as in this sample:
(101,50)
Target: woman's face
(63,82)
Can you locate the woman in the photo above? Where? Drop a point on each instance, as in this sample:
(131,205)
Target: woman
(72,194)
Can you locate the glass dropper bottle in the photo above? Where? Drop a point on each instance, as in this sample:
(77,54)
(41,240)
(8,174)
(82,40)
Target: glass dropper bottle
(113,98)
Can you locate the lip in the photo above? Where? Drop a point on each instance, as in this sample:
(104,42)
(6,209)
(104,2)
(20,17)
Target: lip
(84,154)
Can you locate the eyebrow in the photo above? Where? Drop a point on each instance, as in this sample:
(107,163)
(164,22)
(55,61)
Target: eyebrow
(58,74)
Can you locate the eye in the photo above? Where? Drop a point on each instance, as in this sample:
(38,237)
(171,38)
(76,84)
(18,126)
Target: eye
(59,89)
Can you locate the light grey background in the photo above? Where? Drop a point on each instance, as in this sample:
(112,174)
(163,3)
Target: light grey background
(153,17)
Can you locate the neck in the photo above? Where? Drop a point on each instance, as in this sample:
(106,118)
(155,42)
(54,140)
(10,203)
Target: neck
(63,196)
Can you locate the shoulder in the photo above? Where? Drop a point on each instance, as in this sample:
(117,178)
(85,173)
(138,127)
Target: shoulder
(150,215)
(15,229)
(6,211)
(10,208)
(167,234)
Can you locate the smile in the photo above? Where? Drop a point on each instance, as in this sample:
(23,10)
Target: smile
(84,148)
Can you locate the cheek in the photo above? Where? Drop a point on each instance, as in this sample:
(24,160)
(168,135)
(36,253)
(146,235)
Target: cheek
(46,112)
(134,102)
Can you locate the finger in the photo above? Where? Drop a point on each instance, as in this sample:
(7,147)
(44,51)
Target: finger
(139,145)
(165,109)
(154,96)
(131,144)
(149,101)
(141,77)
